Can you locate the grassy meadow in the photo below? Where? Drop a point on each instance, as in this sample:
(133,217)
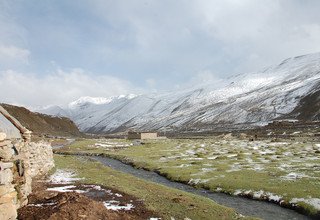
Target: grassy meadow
(286,172)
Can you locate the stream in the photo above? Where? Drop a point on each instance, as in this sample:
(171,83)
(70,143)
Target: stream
(244,206)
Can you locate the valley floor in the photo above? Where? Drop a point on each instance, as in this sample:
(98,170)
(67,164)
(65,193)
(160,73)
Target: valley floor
(84,189)
(286,172)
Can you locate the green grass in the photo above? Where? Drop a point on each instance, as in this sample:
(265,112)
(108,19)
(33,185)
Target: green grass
(233,167)
(167,202)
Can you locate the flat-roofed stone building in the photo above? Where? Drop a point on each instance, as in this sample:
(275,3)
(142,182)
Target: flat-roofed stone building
(142,135)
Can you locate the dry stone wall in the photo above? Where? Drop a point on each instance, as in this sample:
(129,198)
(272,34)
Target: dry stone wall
(20,161)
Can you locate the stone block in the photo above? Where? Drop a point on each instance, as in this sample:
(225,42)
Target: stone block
(10,211)
(9,198)
(4,189)
(2,136)
(6,177)
(6,153)
(6,165)
(5,143)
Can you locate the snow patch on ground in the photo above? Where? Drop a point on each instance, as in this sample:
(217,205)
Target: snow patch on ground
(293,176)
(115,205)
(69,188)
(259,195)
(63,177)
(184,165)
(42,204)
(315,202)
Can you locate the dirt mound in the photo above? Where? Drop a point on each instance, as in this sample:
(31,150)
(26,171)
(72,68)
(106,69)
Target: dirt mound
(67,206)
(54,205)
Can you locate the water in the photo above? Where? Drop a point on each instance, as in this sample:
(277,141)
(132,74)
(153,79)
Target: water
(243,206)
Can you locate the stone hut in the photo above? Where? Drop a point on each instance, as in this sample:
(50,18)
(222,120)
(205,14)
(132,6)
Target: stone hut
(142,135)
(20,161)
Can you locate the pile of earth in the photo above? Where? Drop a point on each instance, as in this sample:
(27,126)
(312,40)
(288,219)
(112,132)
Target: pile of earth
(46,203)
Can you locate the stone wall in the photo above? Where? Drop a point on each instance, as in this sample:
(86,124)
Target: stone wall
(20,161)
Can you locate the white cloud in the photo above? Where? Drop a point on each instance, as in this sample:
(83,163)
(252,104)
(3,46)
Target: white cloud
(60,87)
(12,54)
(151,82)
(155,44)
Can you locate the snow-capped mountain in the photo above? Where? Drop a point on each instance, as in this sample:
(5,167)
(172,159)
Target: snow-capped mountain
(242,100)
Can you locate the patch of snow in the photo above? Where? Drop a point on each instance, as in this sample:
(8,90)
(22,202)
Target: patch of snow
(267,151)
(288,154)
(212,158)
(194,181)
(94,187)
(237,192)
(293,176)
(62,176)
(315,202)
(42,204)
(118,195)
(115,205)
(63,188)
(205,170)
(296,132)
(190,152)
(184,165)
(273,197)
(192,158)
(277,144)
(258,194)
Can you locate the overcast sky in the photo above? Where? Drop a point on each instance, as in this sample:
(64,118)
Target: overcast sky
(54,51)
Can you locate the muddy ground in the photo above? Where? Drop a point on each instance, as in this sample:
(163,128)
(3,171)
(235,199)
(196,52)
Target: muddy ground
(79,201)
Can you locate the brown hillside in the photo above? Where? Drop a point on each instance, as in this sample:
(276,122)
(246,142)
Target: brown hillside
(41,124)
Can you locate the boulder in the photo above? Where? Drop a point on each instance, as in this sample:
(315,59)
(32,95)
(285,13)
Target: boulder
(4,189)
(10,211)
(6,153)
(2,136)
(6,177)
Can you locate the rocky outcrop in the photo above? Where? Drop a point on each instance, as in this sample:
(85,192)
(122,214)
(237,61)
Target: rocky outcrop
(20,161)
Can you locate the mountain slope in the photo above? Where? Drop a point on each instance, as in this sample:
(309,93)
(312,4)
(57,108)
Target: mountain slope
(41,123)
(281,91)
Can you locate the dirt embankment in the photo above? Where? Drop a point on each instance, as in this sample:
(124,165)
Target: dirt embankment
(41,124)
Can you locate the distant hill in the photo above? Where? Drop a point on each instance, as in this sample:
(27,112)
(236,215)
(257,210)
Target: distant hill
(42,124)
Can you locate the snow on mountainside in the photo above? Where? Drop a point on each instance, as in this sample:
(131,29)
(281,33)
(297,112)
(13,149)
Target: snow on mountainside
(242,100)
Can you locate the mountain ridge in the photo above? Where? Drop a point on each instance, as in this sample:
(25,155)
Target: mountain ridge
(42,124)
(244,100)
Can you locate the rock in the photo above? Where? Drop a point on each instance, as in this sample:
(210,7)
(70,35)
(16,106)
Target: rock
(4,189)
(4,165)
(227,136)
(2,136)
(10,211)
(9,198)
(4,143)
(6,153)
(6,177)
